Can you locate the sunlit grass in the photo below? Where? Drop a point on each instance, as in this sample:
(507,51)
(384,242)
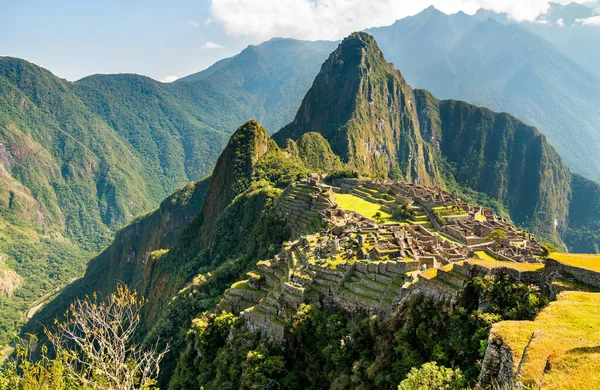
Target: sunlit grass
(591,262)
(566,353)
(484,256)
(361,206)
(495,264)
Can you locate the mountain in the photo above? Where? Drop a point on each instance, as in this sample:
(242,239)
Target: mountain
(79,160)
(266,82)
(183,256)
(504,67)
(379,126)
(200,240)
(571,28)
(354,103)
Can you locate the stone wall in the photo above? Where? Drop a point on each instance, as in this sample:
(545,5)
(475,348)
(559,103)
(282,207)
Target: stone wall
(497,365)
(583,275)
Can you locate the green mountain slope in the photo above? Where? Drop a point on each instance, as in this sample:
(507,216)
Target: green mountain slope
(365,110)
(79,160)
(379,126)
(507,68)
(500,156)
(199,241)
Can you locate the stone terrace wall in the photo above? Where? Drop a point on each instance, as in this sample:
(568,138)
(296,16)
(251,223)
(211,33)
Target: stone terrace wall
(583,275)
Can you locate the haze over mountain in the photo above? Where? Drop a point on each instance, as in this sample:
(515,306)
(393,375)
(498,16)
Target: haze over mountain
(504,67)
(573,28)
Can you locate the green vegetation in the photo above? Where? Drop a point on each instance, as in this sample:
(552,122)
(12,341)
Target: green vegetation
(315,153)
(92,348)
(361,206)
(357,115)
(335,350)
(80,160)
(432,376)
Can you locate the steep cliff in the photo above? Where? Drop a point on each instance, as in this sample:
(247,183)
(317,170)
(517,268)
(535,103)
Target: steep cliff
(365,109)
(500,156)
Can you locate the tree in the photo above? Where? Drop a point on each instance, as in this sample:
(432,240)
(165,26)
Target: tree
(432,377)
(377,217)
(496,234)
(96,341)
(94,349)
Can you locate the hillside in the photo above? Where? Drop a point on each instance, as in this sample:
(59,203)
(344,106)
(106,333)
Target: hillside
(507,68)
(380,126)
(362,274)
(80,160)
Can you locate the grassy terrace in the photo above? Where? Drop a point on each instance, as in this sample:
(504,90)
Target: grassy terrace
(362,206)
(591,262)
(430,273)
(484,256)
(495,264)
(566,354)
(447,237)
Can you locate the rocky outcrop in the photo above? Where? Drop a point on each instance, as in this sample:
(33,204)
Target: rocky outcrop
(10,281)
(367,112)
(497,365)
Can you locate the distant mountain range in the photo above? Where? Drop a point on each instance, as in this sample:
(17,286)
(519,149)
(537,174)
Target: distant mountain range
(507,68)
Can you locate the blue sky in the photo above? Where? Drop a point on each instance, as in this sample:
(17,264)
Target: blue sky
(169,39)
(76,38)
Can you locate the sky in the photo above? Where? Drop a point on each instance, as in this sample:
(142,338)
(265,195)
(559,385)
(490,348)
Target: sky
(170,39)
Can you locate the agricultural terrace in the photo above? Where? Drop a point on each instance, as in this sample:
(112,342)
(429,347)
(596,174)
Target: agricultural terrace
(591,262)
(361,206)
(496,264)
(564,351)
(484,256)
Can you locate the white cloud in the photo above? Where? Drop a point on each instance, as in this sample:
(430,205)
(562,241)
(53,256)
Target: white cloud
(212,45)
(334,19)
(207,21)
(169,79)
(592,21)
(560,22)
(191,23)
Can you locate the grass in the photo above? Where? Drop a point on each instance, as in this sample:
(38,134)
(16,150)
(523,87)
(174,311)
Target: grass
(591,262)
(507,264)
(430,273)
(484,256)
(361,206)
(242,285)
(448,238)
(566,354)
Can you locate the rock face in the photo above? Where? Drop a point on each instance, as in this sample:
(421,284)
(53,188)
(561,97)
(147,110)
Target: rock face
(10,281)
(497,365)
(366,111)
(234,167)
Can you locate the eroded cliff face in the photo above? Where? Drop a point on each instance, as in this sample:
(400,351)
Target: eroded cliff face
(10,281)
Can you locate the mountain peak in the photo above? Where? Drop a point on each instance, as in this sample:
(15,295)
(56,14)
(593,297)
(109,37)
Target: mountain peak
(366,111)
(233,171)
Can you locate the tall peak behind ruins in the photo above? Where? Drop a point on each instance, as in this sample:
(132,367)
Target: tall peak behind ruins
(365,109)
